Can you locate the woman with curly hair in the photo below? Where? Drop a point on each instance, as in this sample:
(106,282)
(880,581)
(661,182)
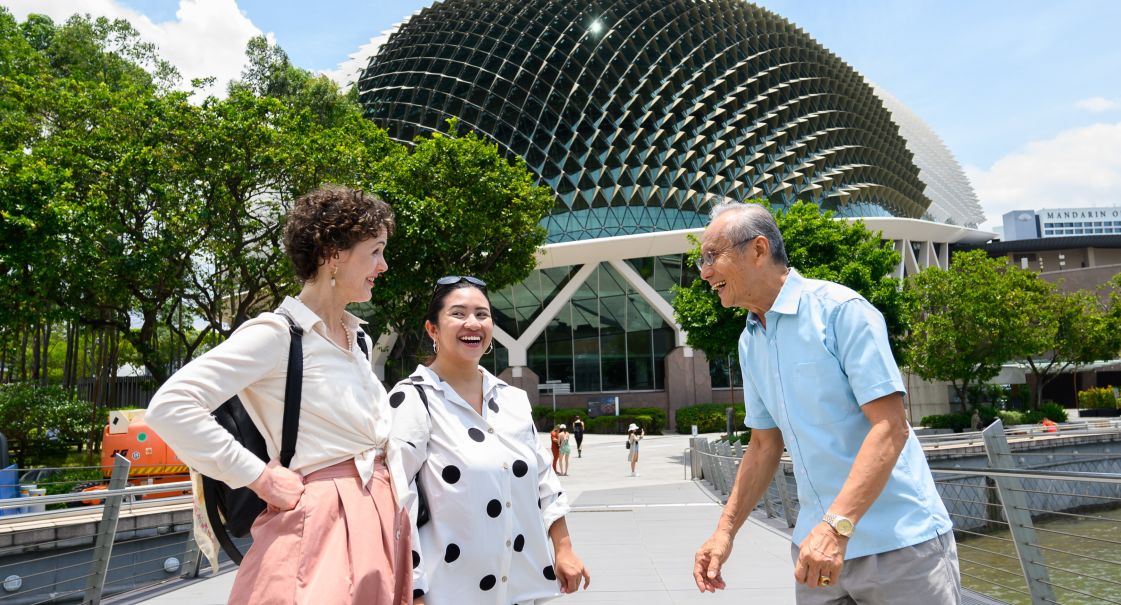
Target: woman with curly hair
(331,532)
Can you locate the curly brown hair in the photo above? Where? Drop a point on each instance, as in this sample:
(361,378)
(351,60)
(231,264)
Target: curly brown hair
(330,219)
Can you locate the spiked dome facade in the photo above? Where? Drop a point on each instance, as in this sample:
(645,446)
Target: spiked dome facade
(636,112)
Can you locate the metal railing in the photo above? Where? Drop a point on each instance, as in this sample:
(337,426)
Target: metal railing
(84,554)
(1038,528)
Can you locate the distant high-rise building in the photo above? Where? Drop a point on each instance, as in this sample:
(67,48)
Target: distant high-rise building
(1061,222)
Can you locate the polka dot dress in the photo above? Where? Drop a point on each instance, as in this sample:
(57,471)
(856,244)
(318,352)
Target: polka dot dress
(491,493)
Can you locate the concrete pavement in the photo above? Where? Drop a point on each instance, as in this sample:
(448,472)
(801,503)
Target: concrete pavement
(636,535)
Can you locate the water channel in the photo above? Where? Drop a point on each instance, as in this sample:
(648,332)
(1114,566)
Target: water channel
(1082,554)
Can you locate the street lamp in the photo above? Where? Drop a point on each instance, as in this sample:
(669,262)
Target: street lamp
(1062,261)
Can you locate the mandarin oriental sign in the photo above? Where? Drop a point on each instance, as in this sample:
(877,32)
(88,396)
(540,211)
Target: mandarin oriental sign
(1080,214)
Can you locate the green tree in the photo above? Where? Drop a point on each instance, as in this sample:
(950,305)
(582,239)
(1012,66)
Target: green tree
(819,247)
(1068,330)
(461,209)
(42,422)
(968,320)
(279,133)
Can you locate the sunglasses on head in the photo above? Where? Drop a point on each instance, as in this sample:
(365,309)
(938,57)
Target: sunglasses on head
(449,280)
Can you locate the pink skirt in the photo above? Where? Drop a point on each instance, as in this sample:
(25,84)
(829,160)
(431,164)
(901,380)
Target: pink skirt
(343,543)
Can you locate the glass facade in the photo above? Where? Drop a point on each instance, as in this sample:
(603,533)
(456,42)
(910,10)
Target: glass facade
(606,337)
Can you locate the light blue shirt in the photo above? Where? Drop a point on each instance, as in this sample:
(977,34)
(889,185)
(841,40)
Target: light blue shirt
(823,354)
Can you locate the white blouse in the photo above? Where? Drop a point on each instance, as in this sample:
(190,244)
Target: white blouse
(343,411)
(491,491)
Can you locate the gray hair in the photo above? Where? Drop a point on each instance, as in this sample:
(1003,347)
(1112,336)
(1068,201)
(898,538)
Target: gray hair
(751,221)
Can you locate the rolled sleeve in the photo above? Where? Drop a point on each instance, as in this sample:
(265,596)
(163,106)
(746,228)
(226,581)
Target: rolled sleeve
(180,410)
(864,351)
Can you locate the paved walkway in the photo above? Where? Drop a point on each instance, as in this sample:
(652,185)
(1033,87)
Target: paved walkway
(636,535)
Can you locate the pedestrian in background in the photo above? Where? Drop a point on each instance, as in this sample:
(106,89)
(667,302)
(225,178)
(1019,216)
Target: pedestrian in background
(554,445)
(565,449)
(634,436)
(578,433)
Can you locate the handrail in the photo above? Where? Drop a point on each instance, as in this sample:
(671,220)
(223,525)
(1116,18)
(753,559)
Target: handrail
(999,510)
(132,490)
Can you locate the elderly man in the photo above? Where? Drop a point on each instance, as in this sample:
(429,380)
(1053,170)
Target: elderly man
(820,379)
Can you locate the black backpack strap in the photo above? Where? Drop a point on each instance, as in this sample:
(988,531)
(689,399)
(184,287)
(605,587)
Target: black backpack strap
(210,495)
(361,337)
(293,391)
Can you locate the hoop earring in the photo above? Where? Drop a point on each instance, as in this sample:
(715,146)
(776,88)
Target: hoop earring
(435,348)
(490,349)
(333,272)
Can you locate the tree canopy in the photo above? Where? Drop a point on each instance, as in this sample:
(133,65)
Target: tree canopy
(137,213)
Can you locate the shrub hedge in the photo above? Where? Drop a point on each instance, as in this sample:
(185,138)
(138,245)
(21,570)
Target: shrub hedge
(709,417)
(652,420)
(961,421)
(1098,398)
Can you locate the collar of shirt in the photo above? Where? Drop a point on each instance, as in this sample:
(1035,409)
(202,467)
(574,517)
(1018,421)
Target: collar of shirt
(307,319)
(491,383)
(786,303)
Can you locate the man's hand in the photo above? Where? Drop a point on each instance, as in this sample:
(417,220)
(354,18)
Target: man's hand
(822,555)
(569,570)
(708,560)
(279,487)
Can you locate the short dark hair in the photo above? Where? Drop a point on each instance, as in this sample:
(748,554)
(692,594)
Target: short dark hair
(331,219)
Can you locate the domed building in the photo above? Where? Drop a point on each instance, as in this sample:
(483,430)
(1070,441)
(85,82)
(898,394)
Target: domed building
(638,114)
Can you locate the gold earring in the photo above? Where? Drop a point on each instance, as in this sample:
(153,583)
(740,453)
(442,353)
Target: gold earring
(333,272)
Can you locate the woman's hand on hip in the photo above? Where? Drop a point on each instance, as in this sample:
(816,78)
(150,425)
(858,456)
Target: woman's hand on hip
(278,486)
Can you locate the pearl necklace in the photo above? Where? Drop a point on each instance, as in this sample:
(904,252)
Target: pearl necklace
(342,324)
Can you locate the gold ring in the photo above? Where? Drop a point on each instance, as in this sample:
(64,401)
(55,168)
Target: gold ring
(823,581)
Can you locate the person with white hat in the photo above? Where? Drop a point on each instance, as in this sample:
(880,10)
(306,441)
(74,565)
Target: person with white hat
(564,449)
(634,435)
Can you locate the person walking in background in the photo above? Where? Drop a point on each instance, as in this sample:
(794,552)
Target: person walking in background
(820,380)
(565,449)
(331,532)
(634,436)
(578,432)
(496,532)
(554,445)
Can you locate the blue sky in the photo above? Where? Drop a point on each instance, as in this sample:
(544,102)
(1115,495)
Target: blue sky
(1025,93)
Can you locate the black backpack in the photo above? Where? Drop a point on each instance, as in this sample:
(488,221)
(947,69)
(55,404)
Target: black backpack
(231,512)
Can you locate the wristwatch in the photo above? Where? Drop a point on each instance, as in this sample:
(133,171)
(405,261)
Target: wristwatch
(840,524)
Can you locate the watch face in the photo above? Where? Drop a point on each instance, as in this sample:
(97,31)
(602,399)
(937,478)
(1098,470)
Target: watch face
(843,527)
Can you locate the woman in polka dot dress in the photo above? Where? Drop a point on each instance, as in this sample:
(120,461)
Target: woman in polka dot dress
(496,532)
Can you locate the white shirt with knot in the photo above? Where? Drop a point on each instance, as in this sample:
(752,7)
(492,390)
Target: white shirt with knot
(343,411)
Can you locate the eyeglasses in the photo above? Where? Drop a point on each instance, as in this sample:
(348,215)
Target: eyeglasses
(707,258)
(449,280)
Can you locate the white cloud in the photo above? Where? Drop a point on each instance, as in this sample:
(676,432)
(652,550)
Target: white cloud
(206,38)
(1096,104)
(1080,167)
